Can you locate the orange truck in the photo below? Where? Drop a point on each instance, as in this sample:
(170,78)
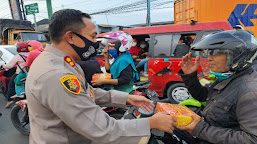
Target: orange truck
(237,12)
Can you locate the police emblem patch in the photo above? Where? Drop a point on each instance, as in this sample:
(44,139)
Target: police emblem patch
(71,83)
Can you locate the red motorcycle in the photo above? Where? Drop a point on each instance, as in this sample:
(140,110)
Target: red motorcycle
(5,77)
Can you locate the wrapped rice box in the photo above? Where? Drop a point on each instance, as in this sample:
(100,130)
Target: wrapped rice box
(101,76)
(179,112)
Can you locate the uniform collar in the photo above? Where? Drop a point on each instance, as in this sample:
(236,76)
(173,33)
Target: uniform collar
(67,58)
(56,51)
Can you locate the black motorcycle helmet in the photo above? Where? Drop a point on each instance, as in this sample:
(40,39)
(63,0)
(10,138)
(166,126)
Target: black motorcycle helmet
(239,44)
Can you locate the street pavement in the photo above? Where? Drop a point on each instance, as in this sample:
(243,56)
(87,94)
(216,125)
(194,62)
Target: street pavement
(8,134)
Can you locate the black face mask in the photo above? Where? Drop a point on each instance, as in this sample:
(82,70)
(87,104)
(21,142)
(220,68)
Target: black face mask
(88,51)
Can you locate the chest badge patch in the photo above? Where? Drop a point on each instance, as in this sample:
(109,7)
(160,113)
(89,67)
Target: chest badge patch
(71,83)
(69,60)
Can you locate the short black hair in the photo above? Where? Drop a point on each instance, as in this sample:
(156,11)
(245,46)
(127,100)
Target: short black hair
(66,20)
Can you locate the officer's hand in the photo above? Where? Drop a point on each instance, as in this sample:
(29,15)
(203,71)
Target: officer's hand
(105,52)
(187,65)
(98,82)
(189,128)
(141,102)
(162,121)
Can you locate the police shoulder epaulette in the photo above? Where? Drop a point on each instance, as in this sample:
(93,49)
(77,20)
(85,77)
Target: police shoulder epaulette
(69,60)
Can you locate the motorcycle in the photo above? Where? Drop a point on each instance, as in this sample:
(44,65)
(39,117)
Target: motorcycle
(20,116)
(157,137)
(5,77)
(19,112)
(194,104)
(139,88)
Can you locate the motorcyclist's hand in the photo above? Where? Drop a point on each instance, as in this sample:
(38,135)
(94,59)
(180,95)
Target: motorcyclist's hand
(98,82)
(189,128)
(162,121)
(187,65)
(141,102)
(105,52)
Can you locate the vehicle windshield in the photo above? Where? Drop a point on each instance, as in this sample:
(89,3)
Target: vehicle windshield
(12,50)
(33,36)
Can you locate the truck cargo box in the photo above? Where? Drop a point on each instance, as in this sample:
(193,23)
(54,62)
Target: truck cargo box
(237,12)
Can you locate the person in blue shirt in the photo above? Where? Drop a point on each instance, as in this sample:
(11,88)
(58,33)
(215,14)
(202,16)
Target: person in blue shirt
(122,69)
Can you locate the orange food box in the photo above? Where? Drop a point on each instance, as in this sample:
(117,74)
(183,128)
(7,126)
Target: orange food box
(179,112)
(101,76)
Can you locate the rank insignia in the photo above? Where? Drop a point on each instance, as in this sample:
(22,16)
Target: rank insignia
(91,93)
(71,83)
(69,60)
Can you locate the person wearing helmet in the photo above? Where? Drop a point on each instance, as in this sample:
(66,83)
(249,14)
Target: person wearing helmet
(35,49)
(123,69)
(64,108)
(17,61)
(230,114)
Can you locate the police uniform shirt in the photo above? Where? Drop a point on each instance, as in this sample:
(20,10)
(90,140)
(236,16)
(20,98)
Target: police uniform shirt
(63,109)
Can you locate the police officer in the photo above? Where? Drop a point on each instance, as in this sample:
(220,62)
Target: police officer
(63,108)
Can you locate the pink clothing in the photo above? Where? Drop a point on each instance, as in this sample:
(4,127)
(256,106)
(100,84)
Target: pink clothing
(32,56)
(17,59)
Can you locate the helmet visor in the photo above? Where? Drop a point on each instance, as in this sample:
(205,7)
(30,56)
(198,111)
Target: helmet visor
(204,61)
(110,42)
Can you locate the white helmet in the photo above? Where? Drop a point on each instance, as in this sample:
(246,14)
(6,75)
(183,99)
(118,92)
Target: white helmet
(122,40)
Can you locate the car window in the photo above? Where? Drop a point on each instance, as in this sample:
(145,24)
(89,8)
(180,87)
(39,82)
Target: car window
(33,36)
(17,37)
(7,55)
(12,50)
(181,44)
(162,45)
(209,32)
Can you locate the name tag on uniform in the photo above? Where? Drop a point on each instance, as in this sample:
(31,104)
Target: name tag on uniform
(71,83)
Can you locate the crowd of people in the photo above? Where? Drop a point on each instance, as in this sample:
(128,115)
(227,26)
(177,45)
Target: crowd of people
(64,107)
(27,52)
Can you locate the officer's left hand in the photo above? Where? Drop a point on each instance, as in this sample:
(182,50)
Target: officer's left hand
(98,82)
(189,128)
(141,102)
